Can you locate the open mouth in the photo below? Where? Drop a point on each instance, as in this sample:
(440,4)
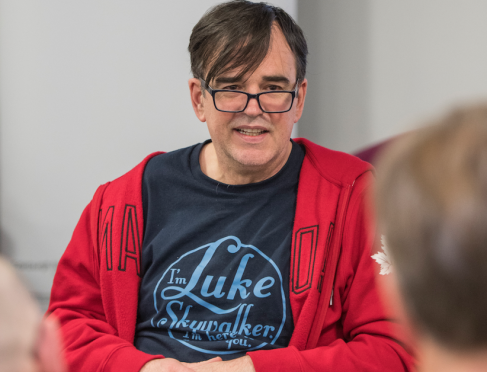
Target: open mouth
(251,132)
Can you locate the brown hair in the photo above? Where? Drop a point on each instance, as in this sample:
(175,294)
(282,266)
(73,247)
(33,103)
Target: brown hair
(431,200)
(237,34)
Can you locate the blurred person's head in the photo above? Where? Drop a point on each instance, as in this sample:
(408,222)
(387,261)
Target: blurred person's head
(27,343)
(431,201)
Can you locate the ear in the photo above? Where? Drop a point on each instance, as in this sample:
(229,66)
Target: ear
(197,99)
(303,87)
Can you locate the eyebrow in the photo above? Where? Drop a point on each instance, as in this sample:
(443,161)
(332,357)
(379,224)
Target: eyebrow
(276,78)
(227,79)
(234,79)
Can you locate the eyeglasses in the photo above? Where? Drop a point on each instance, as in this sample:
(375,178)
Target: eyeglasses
(236,101)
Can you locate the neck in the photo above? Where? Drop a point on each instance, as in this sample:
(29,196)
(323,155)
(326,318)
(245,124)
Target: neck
(434,357)
(238,174)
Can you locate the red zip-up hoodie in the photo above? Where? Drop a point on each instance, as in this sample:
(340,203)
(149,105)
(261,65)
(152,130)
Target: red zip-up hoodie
(339,322)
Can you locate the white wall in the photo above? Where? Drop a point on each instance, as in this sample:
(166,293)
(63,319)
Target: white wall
(88,88)
(336,107)
(380,67)
(425,56)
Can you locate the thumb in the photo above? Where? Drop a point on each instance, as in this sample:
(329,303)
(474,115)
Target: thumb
(215,359)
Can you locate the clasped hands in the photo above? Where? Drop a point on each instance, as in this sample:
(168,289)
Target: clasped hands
(243,364)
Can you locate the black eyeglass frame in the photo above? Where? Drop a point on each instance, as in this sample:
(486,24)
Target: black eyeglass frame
(250,96)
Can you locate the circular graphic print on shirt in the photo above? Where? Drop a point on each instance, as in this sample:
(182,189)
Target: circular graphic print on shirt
(221,298)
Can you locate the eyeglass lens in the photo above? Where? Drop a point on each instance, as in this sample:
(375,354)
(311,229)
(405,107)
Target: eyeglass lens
(269,101)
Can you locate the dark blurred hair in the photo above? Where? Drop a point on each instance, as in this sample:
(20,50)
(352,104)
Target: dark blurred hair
(432,202)
(237,34)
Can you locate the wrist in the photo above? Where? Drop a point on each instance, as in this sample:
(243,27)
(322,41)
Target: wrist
(247,363)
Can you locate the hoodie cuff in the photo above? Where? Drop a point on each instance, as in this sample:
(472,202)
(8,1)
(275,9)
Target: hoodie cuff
(284,359)
(127,359)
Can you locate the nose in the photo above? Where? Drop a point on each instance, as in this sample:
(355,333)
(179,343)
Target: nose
(253,108)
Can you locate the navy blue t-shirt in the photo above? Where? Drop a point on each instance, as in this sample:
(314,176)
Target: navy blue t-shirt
(215,260)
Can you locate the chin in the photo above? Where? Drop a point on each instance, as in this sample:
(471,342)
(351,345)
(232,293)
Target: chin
(254,159)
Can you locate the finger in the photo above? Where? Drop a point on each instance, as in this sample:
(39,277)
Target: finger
(215,359)
(212,360)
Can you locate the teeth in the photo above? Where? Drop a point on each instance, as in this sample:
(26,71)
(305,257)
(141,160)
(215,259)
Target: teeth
(251,132)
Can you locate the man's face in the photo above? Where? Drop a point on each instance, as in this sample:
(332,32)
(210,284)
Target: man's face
(253,139)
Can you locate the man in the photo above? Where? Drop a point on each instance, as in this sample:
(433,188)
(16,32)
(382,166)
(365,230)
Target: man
(27,343)
(255,248)
(432,205)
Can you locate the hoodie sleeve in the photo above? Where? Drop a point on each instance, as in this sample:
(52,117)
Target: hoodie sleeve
(91,343)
